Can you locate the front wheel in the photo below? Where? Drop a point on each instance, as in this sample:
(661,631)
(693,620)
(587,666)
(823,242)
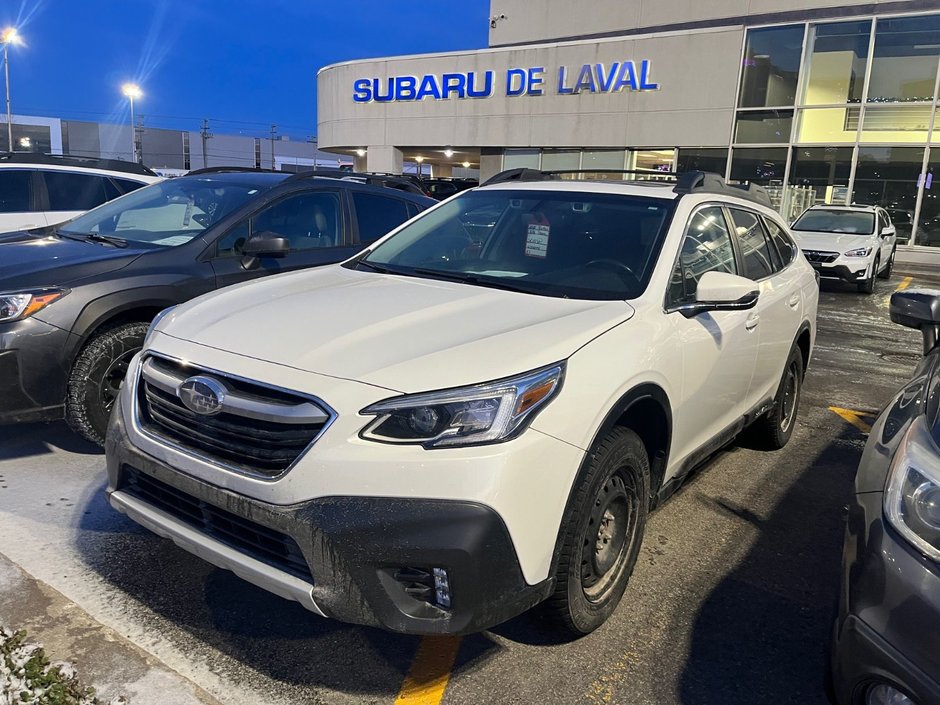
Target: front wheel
(97,377)
(886,272)
(603,529)
(868,286)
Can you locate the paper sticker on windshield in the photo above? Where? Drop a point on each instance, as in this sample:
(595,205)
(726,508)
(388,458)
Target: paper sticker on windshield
(536,241)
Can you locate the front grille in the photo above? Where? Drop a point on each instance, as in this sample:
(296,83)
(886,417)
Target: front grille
(261,543)
(821,257)
(259,431)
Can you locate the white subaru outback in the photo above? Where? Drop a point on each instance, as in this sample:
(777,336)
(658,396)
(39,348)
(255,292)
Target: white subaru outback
(476,414)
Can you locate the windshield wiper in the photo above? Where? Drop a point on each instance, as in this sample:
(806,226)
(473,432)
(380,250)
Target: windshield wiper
(490,282)
(93,237)
(375,267)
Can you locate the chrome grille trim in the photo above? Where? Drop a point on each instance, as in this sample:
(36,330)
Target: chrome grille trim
(158,414)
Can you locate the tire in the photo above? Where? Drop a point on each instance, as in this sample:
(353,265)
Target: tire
(868,286)
(772,431)
(97,376)
(886,273)
(602,533)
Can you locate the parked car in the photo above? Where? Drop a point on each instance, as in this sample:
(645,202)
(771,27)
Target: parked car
(459,424)
(903,221)
(76,299)
(37,190)
(851,243)
(441,188)
(886,646)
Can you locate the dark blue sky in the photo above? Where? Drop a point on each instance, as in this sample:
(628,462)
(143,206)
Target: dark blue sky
(242,63)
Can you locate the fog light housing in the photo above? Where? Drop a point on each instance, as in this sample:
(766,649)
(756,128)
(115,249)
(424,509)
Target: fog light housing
(441,588)
(885,694)
(431,586)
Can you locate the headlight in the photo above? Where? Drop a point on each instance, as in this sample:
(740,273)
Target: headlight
(860,252)
(18,305)
(155,322)
(485,413)
(912,497)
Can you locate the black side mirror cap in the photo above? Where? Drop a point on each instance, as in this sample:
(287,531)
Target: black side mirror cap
(266,244)
(920,309)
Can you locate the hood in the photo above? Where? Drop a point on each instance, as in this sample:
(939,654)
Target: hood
(402,333)
(27,260)
(831,242)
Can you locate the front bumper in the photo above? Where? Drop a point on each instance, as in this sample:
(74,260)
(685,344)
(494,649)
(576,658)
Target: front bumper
(889,611)
(33,372)
(355,547)
(842,272)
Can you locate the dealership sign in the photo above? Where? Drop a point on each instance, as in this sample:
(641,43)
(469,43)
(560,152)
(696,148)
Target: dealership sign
(589,78)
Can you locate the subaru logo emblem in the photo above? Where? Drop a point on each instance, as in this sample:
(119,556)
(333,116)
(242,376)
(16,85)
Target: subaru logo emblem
(202,395)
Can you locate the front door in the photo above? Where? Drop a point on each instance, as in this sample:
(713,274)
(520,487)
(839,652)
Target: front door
(719,348)
(312,221)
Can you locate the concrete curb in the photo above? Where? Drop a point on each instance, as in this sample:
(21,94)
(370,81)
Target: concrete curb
(105,660)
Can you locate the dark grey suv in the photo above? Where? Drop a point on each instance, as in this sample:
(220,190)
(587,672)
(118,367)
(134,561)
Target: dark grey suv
(886,647)
(76,299)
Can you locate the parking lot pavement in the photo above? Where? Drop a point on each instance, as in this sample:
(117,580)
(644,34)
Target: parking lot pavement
(731,601)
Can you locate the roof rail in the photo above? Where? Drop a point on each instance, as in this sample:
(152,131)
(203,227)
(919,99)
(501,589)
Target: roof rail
(388,180)
(708,182)
(526,174)
(232,169)
(72,160)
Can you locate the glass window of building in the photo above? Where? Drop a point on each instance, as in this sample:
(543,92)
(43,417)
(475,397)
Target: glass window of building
(602,160)
(562,160)
(521,159)
(763,126)
(904,64)
(818,175)
(828,125)
(652,160)
(758,165)
(837,55)
(704,159)
(928,228)
(888,176)
(771,67)
(895,123)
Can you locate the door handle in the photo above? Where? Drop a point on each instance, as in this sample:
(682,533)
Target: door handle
(751,323)
(793,301)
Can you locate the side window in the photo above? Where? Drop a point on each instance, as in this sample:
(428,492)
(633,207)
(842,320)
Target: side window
(883,221)
(706,247)
(377,214)
(308,220)
(413,209)
(126,185)
(758,261)
(15,191)
(784,244)
(75,192)
(234,241)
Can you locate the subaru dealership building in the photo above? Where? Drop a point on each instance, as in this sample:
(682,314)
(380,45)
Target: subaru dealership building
(821,101)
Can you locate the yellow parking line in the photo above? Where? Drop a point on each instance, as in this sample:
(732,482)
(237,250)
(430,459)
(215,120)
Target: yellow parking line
(853,417)
(905,282)
(430,671)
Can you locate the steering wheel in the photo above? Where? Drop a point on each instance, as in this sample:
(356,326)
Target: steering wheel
(617,267)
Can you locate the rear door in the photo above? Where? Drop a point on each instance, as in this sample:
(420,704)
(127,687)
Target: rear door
(314,221)
(377,214)
(68,194)
(19,206)
(778,313)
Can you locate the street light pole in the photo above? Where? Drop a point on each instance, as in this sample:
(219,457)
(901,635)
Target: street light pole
(132,91)
(8,37)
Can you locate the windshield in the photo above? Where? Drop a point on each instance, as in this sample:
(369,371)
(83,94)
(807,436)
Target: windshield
(836,221)
(167,213)
(577,245)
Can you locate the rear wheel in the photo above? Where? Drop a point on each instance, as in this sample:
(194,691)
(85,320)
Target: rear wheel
(772,431)
(886,273)
(97,377)
(868,286)
(603,530)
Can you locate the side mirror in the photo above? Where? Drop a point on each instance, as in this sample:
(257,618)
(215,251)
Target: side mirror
(918,308)
(266,244)
(887,231)
(720,291)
